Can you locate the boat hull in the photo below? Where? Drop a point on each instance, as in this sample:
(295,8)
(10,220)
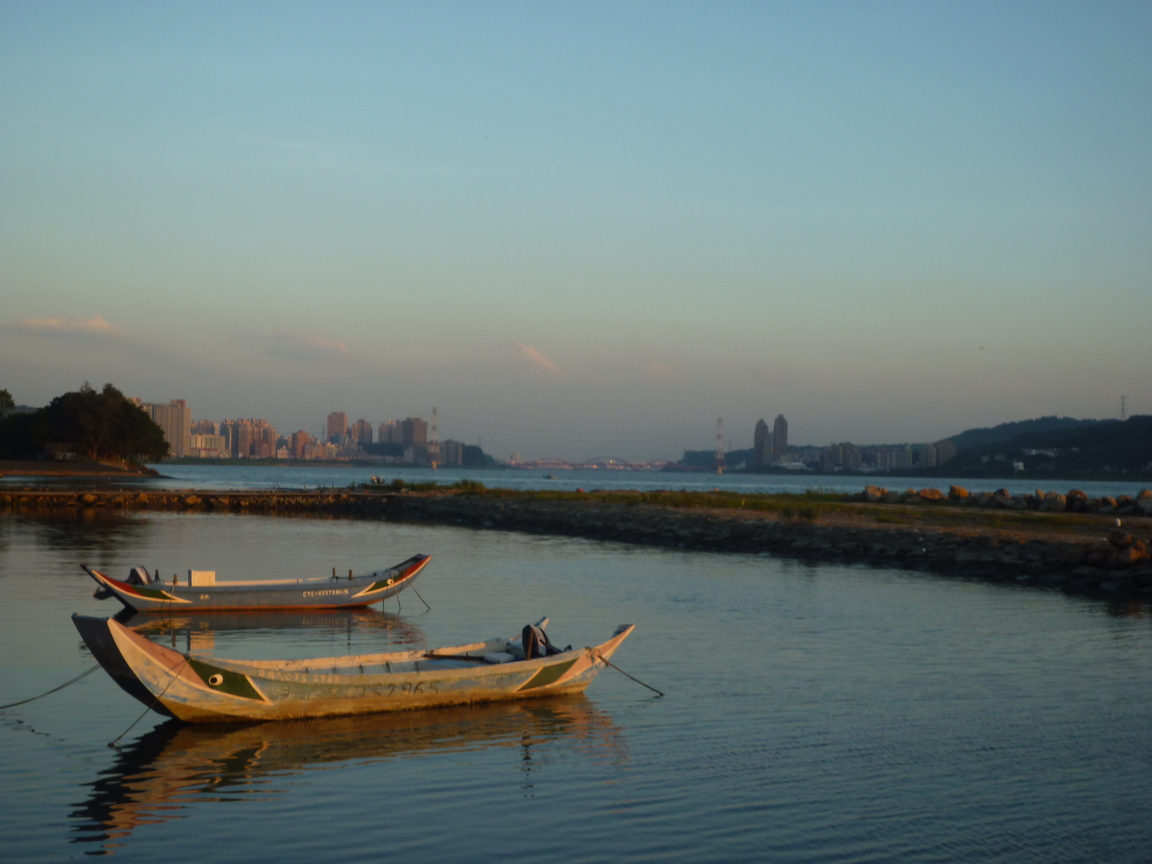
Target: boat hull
(302,594)
(211,690)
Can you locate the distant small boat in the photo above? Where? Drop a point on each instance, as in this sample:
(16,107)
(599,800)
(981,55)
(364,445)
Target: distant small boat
(201,591)
(205,689)
(549,476)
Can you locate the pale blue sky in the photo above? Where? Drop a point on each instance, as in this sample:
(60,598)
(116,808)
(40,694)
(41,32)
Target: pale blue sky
(582,230)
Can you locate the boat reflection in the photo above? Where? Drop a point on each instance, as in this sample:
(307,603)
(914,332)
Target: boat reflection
(199,632)
(177,766)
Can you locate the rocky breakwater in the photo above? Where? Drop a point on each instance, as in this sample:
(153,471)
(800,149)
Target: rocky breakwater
(189,500)
(1116,561)
(1075,501)
(1083,563)
(1053,545)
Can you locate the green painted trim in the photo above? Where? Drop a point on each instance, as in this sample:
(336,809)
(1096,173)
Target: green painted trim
(232,683)
(548,675)
(154,594)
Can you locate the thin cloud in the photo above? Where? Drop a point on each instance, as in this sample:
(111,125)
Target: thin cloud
(97,325)
(661,371)
(537,360)
(309,348)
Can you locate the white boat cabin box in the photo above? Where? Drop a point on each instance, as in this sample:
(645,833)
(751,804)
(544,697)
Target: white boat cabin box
(200,578)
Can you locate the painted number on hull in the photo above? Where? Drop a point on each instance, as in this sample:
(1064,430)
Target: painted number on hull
(408,689)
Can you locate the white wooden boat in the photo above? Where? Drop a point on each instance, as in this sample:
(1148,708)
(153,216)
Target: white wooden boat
(200,689)
(201,591)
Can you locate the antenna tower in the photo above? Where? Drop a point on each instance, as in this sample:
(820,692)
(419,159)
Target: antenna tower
(434,442)
(1123,407)
(720,465)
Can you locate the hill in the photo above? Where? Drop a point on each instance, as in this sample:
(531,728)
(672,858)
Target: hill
(1007,431)
(1089,448)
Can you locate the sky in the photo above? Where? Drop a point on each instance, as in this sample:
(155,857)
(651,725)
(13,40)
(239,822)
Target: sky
(582,230)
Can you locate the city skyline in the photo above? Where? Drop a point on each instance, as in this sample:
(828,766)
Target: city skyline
(588,230)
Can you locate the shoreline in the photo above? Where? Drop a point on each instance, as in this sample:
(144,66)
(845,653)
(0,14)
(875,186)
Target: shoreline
(34,470)
(1082,553)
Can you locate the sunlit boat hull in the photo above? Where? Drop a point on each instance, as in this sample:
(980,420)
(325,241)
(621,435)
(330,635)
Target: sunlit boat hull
(352,593)
(200,689)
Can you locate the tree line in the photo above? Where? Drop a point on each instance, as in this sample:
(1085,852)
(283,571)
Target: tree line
(99,425)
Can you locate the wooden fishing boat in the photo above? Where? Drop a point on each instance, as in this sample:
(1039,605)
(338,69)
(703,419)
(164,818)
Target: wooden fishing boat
(202,689)
(200,590)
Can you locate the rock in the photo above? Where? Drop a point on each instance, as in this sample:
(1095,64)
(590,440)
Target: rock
(1119,539)
(959,493)
(1107,501)
(930,495)
(1053,502)
(1124,500)
(191,501)
(1144,505)
(874,494)
(893,497)
(88,498)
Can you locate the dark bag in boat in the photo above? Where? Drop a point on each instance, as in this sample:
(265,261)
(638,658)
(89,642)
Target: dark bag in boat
(536,643)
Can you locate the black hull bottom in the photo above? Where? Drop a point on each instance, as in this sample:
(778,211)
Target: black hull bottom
(99,640)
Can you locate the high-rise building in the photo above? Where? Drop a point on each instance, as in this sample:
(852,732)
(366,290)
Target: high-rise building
(389,432)
(924,456)
(361,432)
(175,420)
(300,444)
(250,439)
(779,438)
(945,451)
(207,446)
(414,432)
(337,426)
(452,452)
(761,445)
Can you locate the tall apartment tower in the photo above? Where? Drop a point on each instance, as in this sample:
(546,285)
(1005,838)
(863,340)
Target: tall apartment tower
(761,445)
(414,432)
(389,432)
(175,419)
(779,438)
(361,432)
(337,426)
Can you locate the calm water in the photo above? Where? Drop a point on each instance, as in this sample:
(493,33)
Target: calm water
(265,476)
(814,713)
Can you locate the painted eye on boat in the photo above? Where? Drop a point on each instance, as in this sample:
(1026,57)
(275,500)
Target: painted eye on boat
(216,680)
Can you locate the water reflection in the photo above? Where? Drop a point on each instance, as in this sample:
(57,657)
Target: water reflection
(95,532)
(176,766)
(198,632)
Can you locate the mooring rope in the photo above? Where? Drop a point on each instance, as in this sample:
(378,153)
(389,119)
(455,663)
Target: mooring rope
(53,690)
(608,662)
(175,675)
(422,600)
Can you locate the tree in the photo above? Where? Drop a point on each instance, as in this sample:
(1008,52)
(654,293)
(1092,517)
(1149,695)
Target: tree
(7,404)
(102,425)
